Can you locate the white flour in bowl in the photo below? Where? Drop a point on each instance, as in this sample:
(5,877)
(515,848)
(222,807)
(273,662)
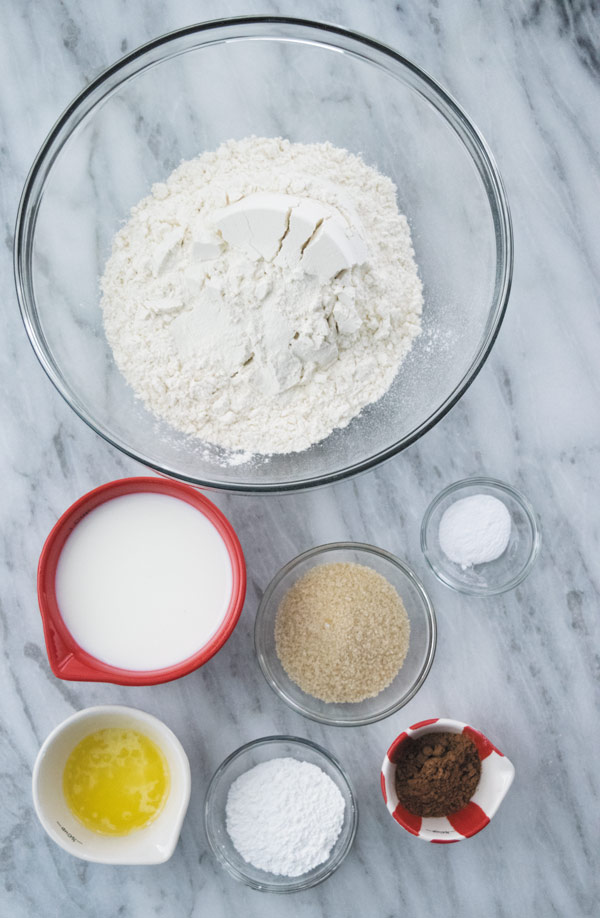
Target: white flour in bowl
(264,294)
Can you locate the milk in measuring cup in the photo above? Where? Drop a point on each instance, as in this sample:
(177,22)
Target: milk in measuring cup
(143,581)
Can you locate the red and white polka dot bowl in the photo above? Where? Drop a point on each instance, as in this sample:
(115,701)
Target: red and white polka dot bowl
(497,774)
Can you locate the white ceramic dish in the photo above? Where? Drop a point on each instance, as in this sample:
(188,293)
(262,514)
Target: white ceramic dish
(151,845)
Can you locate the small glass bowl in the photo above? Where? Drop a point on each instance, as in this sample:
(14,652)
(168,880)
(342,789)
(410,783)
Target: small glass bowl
(240,761)
(412,674)
(492,577)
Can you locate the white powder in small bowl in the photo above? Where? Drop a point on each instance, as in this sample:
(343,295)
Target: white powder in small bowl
(284,816)
(475,530)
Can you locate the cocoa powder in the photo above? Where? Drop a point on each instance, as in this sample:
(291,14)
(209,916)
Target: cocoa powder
(437,773)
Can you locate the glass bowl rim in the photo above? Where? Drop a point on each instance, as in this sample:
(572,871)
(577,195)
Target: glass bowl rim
(426,605)
(296,883)
(496,485)
(113,75)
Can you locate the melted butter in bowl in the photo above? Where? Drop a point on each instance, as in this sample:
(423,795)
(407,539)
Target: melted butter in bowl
(116,780)
(111,784)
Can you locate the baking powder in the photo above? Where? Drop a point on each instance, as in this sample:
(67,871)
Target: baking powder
(475,530)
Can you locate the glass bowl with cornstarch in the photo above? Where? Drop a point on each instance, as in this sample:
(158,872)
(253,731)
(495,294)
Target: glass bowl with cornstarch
(253,824)
(345,634)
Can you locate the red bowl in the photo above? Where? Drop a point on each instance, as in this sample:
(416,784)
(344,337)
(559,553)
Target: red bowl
(67,659)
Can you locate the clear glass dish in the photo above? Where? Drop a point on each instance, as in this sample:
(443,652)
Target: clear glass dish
(185,93)
(423,635)
(493,577)
(240,761)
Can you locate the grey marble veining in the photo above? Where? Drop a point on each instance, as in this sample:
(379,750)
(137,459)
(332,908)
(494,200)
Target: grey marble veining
(524,666)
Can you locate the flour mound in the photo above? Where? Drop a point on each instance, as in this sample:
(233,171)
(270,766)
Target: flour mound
(269,343)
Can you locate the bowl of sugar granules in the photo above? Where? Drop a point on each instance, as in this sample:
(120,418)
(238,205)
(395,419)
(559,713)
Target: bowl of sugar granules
(345,634)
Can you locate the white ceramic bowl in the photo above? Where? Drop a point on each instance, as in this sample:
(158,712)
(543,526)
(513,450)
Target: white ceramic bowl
(153,844)
(497,773)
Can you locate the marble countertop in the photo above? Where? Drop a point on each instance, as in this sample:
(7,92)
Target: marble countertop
(523,666)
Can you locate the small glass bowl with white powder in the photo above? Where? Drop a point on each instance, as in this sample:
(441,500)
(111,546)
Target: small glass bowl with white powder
(480,536)
(236,781)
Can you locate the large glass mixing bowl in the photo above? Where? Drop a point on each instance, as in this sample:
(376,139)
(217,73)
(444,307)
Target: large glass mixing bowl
(185,93)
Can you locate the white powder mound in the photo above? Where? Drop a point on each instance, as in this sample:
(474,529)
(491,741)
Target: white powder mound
(264,294)
(284,816)
(475,530)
